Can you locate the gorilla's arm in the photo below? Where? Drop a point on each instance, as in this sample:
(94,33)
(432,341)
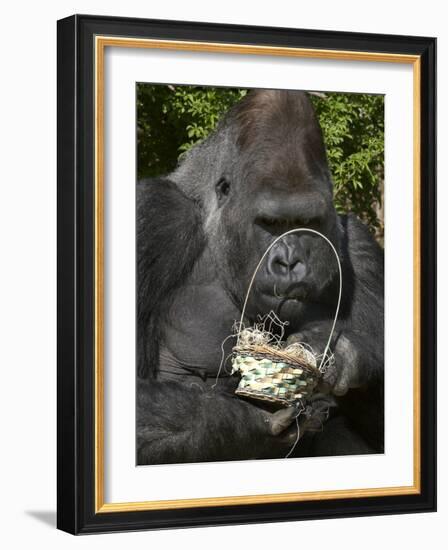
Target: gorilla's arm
(190,423)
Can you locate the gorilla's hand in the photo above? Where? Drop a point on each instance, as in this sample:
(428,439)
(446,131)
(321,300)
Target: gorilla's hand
(280,421)
(312,418)
(346,372)
(281,428)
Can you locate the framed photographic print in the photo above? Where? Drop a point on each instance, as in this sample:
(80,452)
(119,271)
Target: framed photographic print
(246,274)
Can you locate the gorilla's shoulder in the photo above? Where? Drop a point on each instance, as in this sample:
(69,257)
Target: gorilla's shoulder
(169,227)
(358,234)
(169,241)
(366,255)
(161,202)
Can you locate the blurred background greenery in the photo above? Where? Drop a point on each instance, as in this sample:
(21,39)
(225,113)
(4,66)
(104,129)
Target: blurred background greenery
(171,119)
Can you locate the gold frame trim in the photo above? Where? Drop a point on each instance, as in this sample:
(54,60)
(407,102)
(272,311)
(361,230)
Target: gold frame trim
(101,42)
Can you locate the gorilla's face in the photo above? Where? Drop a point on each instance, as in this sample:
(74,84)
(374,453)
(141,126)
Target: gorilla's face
(279,181)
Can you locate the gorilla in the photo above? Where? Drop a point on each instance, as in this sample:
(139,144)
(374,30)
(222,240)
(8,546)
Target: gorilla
(200,234)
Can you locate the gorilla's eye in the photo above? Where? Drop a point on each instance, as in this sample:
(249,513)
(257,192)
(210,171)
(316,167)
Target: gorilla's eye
(222,188)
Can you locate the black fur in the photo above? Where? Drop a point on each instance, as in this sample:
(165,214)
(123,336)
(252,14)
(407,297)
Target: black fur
(169,241)
(201,232)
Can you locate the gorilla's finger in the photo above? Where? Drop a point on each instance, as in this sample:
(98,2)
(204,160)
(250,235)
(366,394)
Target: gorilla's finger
(297,338)
(343,383)
(281,420)
(341,388)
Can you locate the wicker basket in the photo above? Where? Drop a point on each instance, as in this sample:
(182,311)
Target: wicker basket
(268,377)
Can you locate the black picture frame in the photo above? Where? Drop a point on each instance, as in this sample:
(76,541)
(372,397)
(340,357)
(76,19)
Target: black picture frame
(76,475)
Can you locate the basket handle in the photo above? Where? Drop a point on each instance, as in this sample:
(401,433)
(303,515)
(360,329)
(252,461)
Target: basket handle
(275,241)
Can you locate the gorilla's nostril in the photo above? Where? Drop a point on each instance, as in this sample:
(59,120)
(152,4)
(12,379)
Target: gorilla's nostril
(283,263)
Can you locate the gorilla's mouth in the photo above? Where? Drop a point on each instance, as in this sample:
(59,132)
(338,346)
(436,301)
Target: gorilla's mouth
(288,302)
(296,292)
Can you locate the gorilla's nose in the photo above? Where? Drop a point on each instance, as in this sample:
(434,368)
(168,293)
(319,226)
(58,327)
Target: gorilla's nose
(287,262)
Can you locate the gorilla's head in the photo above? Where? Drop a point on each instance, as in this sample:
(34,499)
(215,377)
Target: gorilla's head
(263,172)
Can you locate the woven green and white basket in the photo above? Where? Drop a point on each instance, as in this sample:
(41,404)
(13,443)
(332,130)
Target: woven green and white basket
(274,379)
(269,370)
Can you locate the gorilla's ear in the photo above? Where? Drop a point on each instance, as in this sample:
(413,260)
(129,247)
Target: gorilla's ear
(169,241)
(222,188)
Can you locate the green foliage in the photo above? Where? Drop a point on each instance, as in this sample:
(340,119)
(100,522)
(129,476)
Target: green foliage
(171,119)
(353,129)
